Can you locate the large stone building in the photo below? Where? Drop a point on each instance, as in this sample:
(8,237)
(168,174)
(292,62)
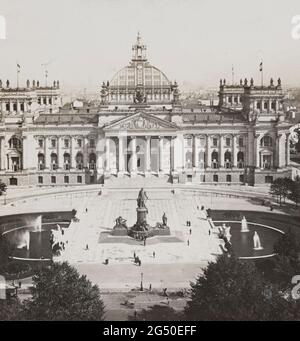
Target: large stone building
(140,128)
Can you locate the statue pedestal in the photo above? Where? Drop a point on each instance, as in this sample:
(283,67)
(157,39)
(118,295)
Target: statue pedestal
(141,215)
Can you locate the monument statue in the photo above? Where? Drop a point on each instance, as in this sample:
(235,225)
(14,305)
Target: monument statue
(164,219)
(141,200)
(120,223)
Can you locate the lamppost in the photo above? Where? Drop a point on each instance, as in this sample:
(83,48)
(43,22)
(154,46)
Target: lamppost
(142,288)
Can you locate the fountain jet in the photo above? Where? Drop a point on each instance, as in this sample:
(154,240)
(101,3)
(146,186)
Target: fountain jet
(256,242)
(244,224)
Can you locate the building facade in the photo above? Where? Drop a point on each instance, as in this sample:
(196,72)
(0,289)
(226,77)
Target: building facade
(140,128)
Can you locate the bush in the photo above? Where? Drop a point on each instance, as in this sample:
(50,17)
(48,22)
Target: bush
(14,268)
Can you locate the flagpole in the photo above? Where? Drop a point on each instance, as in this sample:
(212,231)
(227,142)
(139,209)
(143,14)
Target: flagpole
(262,73)
(17,77)
(232,75)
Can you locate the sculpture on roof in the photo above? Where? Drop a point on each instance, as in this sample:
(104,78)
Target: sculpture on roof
(7,83)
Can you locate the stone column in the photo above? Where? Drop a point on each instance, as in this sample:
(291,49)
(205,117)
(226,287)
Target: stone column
(121,157)
(134,156)
(148,154)
(257,154)
(161,148)
(221,158)
(197,150)
(60,152)
(47,152)
(2,153)
(24,163)
(208,151)
(194,153)
(107,155)
(287,149)
(172,152)
(234,151)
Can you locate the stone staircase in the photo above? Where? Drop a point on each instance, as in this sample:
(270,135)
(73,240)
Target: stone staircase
(138,181)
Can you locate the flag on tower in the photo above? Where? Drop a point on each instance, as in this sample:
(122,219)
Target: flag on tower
(18,67)
(261,66)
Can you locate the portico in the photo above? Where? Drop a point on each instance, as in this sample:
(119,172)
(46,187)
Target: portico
(139,144)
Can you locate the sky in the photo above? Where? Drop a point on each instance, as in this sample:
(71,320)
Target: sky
(195,42)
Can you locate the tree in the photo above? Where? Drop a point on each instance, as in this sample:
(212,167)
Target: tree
(3,187)
(288,245)
(280,188)
(294,194)
(10,310)
(61,294)
(231,289)
(4,251)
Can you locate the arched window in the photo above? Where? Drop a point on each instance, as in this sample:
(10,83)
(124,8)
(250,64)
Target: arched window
(227,158)
(92,161)
(54,161)
(79,161)
(15,143)
(215,159)
(41,161)
(67,161)
(266,141)
(240,159)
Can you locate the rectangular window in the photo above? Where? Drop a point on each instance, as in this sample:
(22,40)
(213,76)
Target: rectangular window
(268,179)
(241,177)
(92,179)
(92,143)
(41,143)
(79,179)
(53,179)
(40,180)
(215,142)
(79,143)
(228,178)
(241,142)
(66,179)
(53,143)
(216,178)
(66,143)
(228,140)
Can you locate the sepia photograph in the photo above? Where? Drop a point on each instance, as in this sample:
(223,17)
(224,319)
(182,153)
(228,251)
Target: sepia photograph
(149,163)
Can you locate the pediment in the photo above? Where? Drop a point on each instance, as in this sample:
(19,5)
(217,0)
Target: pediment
(140,121)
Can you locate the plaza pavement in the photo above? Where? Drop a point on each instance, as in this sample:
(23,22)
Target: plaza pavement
(175,263)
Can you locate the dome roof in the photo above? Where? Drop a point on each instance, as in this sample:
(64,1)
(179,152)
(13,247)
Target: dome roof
(140,74)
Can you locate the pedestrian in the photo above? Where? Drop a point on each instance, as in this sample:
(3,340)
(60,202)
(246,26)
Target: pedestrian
(134,255)
(150,287)
(140,262)
(135,314)
(20,284)
(153,254)
(87,247)
(188,242)
(271,208)
(86,210)
(209,232)
(187,223)
(190,231)
(197,207)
